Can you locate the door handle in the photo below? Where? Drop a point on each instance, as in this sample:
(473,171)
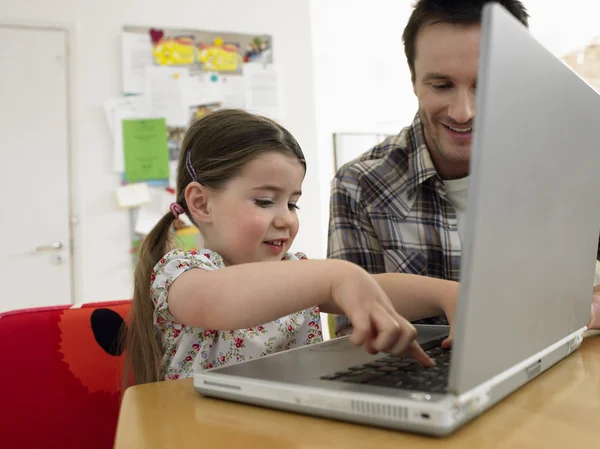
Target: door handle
(54,246)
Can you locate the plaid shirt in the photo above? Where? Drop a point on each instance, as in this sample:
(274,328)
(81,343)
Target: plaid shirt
(389,213)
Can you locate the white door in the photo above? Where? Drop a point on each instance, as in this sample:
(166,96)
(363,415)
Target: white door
(35,253)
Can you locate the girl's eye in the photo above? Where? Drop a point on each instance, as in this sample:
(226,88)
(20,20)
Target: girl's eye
(293,206)
(263,203)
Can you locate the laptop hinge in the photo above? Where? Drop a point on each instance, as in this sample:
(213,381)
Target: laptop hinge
(478,397)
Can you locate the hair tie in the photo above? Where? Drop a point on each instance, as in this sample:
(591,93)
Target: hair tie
(176,210)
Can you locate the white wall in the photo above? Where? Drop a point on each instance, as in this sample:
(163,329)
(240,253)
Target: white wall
(362,81)
(104,266)
(562,26)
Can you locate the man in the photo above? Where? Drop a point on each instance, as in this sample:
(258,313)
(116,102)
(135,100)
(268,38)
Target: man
(401,206)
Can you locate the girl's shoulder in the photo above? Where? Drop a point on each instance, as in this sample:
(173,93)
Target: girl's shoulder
(178,259)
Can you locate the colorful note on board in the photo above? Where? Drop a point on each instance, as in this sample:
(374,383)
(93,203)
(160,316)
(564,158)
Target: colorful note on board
(172,50)
(219,57)
(146,150)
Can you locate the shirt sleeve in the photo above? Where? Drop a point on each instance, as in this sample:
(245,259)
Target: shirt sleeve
(351,235)
(166,271)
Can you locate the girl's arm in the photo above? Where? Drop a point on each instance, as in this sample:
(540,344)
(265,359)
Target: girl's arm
(416,297)
(247,295)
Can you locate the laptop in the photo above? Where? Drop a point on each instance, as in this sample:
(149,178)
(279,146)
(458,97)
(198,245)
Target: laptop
(527,268)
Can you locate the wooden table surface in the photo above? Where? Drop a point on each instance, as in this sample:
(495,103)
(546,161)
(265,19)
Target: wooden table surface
(559,409)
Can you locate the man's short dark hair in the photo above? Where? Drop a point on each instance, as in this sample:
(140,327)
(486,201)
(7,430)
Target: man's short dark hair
(462,12)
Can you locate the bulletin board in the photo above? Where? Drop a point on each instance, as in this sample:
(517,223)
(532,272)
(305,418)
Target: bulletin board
(170,78)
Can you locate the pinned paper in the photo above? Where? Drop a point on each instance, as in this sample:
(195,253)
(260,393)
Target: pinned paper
(115,112)
(150,214)
(146,151)
(165,87)
(136,55)
(133,195)
(126,107)
(199,89)
(262,86)
(232,87)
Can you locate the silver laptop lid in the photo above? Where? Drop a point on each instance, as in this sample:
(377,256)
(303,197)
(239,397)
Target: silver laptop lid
(533,217)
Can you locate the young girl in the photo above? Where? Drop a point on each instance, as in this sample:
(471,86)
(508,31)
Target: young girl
(239,181)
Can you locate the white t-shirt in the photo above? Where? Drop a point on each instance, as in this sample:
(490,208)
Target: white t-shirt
(457,190)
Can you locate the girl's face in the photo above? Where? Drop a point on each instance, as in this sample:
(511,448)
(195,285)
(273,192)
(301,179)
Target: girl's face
(253,218)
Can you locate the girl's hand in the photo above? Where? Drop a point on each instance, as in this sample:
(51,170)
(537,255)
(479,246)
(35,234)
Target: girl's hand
(376,324)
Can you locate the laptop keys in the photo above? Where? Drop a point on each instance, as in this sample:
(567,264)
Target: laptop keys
(401,372)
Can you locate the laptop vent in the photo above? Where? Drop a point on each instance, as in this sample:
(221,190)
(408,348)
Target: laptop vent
(377,410)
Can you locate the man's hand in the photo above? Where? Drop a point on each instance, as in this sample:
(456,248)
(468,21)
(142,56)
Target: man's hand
(450,311)
(595,315)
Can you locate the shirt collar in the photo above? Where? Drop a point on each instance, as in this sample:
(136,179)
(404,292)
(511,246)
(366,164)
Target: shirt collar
(420,165)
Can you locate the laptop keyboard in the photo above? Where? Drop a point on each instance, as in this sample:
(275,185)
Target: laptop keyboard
(401,372)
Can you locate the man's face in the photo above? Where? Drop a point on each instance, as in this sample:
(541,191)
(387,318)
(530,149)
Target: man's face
(445,79)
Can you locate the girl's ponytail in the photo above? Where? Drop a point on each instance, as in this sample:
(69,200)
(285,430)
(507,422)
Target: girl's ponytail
(143,351)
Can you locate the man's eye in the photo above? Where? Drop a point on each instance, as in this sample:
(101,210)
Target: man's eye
(441,86)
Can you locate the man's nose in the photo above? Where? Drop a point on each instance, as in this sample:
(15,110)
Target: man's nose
(462,109)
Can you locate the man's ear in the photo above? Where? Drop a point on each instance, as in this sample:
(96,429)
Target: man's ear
(197,200)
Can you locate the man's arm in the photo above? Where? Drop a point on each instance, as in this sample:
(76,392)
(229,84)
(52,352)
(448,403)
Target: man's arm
(351,236)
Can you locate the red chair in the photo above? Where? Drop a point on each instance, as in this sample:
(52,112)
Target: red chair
(61,375)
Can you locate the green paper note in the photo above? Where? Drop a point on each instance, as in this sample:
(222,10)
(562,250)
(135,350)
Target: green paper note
(146,150)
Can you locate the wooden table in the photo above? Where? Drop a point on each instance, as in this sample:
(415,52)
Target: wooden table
(560,409)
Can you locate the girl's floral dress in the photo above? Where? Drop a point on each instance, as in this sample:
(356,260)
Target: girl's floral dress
(188,348)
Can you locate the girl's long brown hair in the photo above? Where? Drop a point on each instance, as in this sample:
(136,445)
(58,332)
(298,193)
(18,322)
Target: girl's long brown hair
(219,145)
